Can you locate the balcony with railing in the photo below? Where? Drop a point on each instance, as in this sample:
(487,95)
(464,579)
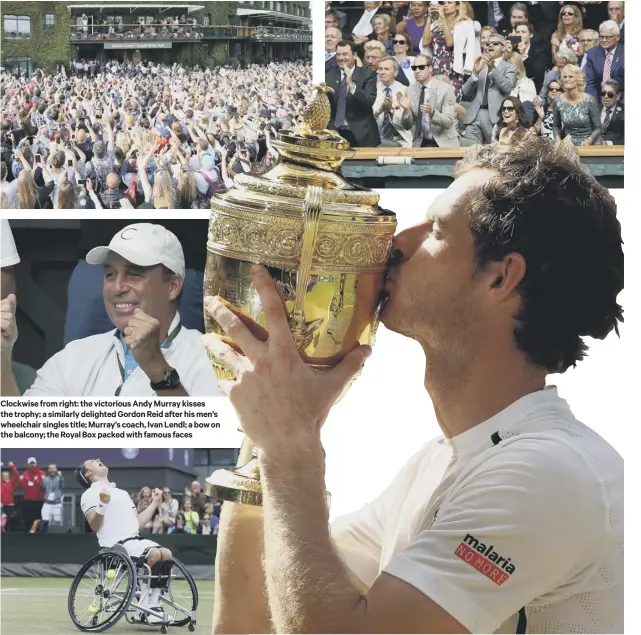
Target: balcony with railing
(185,33)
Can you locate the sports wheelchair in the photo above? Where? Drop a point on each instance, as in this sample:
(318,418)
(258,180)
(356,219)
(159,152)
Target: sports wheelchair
(108,587)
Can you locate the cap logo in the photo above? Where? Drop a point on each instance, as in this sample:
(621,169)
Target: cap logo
(129,229)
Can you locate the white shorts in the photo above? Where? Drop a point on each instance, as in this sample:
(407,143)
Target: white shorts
(51,512)
(135,548)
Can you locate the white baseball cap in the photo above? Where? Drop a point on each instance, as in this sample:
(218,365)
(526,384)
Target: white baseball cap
(144,245)
(31,459)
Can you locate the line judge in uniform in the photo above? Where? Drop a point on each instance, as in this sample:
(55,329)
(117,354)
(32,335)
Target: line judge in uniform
(150,352)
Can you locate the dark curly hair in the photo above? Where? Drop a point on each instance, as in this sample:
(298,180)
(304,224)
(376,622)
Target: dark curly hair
(521,116)
(545,205)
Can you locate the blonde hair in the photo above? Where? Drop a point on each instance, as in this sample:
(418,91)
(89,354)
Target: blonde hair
(560,32)
(375,44)
(580,75)
(164,188)
(382,16)
(517,59)
(4,200)
(123,142)
(27,191)
(187,187)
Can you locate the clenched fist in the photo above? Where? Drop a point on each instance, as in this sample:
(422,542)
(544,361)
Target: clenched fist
(157,496)
(105,496)
(9,329)
(142,338)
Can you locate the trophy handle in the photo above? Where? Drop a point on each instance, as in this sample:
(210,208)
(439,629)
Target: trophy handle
(312,214)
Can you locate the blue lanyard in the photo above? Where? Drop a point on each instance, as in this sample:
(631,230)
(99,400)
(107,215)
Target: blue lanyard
(130,362)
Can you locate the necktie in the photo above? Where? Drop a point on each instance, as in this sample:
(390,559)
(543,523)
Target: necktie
(387,130)
(341,105)
(607,67)
(606,121)
(425,118)
(484,78)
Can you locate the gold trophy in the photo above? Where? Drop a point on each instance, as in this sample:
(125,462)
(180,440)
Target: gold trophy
(326,244)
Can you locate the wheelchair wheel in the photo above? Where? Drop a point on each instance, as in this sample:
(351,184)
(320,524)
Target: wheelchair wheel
(101,592)
(180,599)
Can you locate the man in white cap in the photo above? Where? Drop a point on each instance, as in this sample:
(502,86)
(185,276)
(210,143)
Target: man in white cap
(149,352)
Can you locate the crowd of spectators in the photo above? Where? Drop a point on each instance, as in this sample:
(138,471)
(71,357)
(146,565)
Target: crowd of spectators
(41,504)
(279,33)
(99,28)
(430,74)
(145,136)
(42,497)
(194,514)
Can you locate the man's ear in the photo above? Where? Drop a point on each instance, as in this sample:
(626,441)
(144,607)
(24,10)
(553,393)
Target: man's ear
(175,287)
(505,275)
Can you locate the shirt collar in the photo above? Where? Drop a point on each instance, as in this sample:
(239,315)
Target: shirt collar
(480,436)
(97,484)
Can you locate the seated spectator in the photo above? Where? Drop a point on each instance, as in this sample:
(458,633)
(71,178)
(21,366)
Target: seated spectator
(179,527)
(144,269)
(612,114)
(198,498)
(363,27)
(524,90)
(588,39)
(512,123)
(434,107)
(402,44)
(143,500)
(576,114)
(616,13)
(374,52)
(192,518)
(382,33)
(564,57)
(392,108)
(166,515)
(544,122)
(606,61)
(568,29)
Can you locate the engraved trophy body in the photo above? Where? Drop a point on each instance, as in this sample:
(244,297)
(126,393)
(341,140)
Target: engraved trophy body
(325,242)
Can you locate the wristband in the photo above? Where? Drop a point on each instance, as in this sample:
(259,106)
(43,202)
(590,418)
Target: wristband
(102,507)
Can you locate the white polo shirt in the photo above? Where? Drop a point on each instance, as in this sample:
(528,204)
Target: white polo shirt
(120,520)
(8,251)
(90,367)
(517,521)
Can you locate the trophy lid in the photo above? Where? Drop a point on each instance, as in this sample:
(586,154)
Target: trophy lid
(308,155)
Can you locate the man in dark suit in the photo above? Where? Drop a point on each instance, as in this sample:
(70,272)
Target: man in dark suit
(606,61)
(332,37)
(612,114)
(353,98)
(616,12)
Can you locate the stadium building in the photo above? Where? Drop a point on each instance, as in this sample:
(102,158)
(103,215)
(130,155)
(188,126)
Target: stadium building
(48,34)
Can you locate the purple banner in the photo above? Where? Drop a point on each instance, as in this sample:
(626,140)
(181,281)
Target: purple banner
(179,458)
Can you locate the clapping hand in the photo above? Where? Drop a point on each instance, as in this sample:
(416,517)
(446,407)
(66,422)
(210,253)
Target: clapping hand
(403,100)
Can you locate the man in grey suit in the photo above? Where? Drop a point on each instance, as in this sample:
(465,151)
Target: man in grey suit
(492,80)
(433,105)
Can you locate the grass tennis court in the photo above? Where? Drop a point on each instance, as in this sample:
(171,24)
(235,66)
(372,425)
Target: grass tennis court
(39,605)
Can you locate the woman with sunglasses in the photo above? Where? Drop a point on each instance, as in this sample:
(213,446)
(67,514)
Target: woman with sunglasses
(402,45)
(512,123)
(576,113)
(568,28)
(450,32)
(544,123)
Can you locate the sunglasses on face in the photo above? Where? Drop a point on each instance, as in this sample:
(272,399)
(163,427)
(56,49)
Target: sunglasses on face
(508,109)
(554,89)
(493,44)
(401,42)
(605,93)
(420,67)
(566,13)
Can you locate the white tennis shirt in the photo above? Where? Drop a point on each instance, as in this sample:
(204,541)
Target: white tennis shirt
(517,521)
(120,520)
(90,367)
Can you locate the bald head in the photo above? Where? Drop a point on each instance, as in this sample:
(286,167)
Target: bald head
(332,37)
(113,181)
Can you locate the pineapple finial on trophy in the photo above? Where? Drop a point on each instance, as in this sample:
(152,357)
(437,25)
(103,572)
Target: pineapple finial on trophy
(315,118)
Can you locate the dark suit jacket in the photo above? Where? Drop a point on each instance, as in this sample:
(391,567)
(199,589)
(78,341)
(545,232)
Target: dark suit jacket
(594,69)
(402,78)
(616,130)
(331,63)
(538,61)
(358,113)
